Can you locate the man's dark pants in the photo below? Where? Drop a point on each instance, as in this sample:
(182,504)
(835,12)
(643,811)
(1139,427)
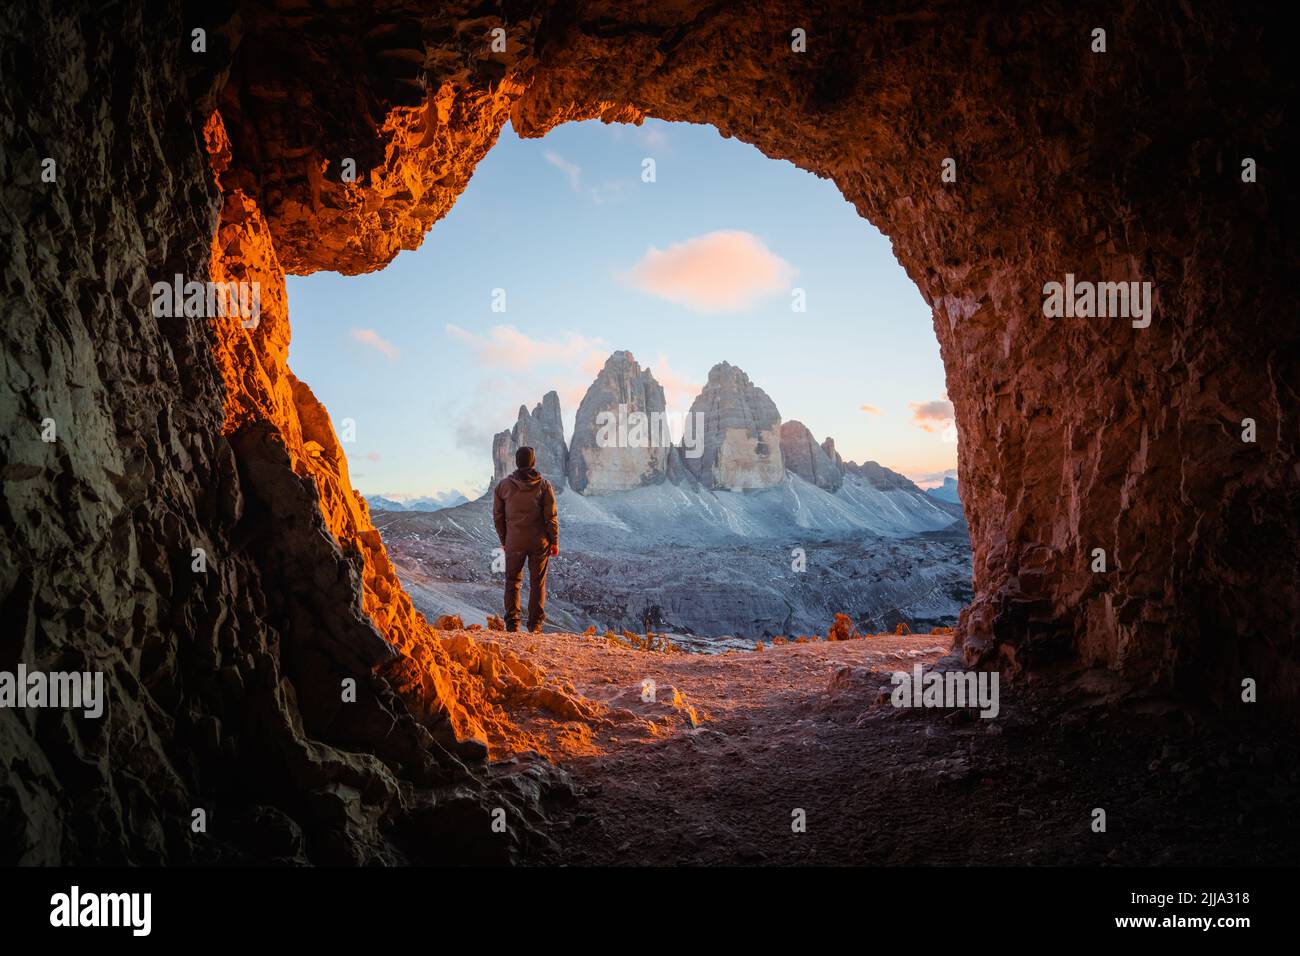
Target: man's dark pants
(536,561)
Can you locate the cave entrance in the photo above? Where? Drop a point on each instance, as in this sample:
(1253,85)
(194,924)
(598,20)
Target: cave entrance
(923,123)
(647,349)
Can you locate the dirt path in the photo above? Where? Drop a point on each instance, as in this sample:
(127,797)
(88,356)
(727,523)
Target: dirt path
(804,727)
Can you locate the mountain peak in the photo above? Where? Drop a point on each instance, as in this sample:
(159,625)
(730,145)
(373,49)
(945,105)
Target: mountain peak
(809,460)
(543,430)
(620,357)
(740,430)
(948,491)
(724,374)
(604,459)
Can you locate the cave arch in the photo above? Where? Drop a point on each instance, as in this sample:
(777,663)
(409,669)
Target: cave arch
(1074,433)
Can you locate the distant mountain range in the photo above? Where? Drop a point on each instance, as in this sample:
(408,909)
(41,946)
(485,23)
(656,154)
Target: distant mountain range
(946,492)
(738,528)
(732,439)
(436,502)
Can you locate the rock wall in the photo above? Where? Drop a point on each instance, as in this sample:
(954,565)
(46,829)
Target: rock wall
(179,514)
(998,151)
(100,522)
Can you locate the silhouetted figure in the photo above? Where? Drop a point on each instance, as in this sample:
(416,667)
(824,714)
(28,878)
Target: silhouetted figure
(523,509)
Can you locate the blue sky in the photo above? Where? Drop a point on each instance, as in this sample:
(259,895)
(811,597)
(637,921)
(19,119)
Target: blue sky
(696,267)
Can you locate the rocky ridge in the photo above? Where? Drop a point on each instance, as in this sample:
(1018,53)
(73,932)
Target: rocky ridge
(809,460)
(543,431)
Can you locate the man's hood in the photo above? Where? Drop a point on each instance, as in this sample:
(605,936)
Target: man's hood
(526,476)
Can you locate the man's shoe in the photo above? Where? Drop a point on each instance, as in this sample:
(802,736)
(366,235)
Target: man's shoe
(512,628)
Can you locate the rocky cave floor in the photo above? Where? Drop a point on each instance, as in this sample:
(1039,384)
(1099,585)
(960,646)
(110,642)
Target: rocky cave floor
(806,726)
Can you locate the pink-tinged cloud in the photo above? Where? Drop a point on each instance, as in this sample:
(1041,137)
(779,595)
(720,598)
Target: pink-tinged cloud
(521,369)
(505,346)
(869,409)
(372,456)
(679,391)
(724,271)
(936,417)
(372,339)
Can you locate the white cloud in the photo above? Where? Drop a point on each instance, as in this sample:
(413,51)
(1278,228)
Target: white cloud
(371,338)
(653,136)
(931,479)
(571,170)
(611,190)
(725,271)
(532,367)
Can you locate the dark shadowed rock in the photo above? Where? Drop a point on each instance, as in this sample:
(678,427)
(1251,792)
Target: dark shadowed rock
(828,446)
(677,470)
(807,459)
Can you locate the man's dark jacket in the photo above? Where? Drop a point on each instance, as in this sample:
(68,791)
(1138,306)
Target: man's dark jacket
(523,509)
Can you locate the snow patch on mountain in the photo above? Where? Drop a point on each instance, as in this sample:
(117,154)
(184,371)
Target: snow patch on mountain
(435,502)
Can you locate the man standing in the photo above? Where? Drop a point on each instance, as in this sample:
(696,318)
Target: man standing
(523,509)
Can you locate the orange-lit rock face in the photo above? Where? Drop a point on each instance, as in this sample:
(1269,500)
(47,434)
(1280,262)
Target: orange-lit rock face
(1076,434)
(260,388)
